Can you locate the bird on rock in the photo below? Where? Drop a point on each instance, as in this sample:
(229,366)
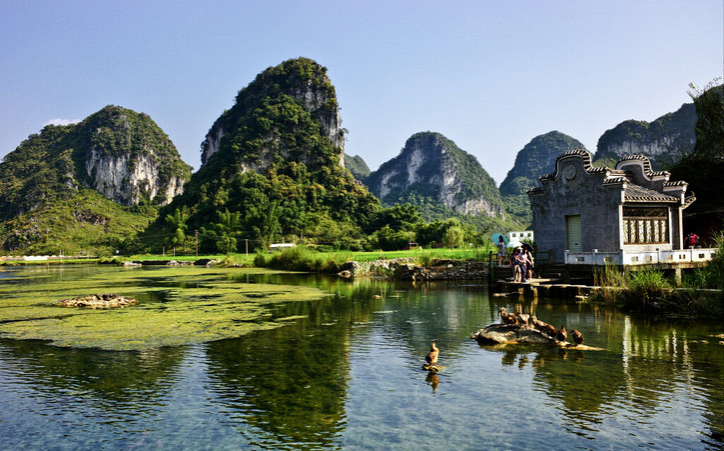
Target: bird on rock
(577,337)
(523,318)
(508,318)
(431,357)
(562,335)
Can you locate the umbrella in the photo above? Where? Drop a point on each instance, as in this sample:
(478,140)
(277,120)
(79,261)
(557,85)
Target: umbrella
(527,246)
(496,238)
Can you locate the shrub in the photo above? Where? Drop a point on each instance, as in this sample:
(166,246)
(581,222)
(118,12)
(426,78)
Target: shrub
(260,260)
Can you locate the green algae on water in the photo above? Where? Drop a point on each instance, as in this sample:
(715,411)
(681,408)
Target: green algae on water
(176,306)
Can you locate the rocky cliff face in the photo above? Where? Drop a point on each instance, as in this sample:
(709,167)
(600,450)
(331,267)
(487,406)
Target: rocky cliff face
(130,159)
(432,167)
(661,140)
(66,187)
(127,182)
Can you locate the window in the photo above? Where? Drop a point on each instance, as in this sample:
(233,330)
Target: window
(645,225)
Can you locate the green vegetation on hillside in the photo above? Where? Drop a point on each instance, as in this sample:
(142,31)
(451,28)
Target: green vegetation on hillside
(673,132)
(536,158)
(442,158)
(85,223)
(47,203)
(357,166)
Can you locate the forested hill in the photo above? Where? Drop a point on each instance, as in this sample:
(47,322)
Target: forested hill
(87,185)
(538,157)
(357,166)
(272,168)
(431,168)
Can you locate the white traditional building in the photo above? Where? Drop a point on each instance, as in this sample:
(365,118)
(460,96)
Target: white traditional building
(595,215)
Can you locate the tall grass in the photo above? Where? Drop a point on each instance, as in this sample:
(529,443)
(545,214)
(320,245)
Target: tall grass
(650,291)
(301,258)
(642,290)
(712,275)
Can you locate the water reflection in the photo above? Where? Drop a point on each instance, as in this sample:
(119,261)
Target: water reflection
(345,373)
(290,384)
(105,377)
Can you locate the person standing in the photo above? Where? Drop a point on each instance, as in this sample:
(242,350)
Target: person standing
(528,263)
(501,250)
(515,265)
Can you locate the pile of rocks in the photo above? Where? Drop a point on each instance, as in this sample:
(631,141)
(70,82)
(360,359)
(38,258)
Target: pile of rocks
(98,301)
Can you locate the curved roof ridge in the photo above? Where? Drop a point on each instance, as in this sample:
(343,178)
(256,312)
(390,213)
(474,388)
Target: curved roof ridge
(648,170)
(587,164)
(675,183)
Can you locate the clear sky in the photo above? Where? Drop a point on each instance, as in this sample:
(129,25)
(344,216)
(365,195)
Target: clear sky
(489,75)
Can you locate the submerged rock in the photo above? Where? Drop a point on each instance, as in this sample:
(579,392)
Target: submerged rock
(98,301)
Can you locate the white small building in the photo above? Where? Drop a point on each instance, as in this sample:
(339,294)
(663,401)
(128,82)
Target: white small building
(515,239)
(281,246)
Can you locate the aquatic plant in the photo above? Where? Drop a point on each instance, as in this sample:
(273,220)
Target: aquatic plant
(176,306)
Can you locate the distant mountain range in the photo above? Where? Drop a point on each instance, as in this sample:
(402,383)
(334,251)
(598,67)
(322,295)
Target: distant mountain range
(273,167)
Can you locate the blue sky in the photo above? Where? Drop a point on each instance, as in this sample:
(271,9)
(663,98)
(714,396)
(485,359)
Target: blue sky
(489,75)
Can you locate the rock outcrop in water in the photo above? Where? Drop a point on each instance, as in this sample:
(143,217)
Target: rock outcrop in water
(99,301)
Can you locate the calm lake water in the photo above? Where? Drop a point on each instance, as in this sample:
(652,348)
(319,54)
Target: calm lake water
(348,376)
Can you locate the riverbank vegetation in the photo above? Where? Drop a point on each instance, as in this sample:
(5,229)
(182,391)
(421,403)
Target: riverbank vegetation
(700,293)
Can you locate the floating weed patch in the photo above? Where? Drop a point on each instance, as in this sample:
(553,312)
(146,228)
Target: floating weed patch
(177,306)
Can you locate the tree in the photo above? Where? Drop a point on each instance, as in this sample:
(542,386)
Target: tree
(399,217)
(702,168)
(454,235)
(709,103)
(224,234)
(265,221)
(177,226)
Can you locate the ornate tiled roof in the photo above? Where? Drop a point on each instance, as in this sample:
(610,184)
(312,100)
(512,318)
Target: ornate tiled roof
(587,166)
(550,176)
(626,179)
(637,193)
(646,162)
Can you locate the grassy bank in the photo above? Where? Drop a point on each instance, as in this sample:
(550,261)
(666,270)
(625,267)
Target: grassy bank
(297,258)
(305,259)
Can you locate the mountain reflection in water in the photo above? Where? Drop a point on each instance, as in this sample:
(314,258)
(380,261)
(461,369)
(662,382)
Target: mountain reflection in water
(347,375)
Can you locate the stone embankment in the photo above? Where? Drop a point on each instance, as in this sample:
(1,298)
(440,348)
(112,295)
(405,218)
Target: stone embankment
(405,269)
